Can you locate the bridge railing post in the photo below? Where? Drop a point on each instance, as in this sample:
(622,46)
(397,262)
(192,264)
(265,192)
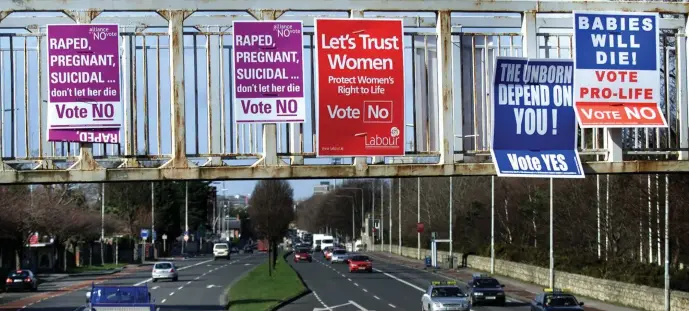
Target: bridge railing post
(86,160)
(362,162)
(270,139)
(682,92)
(445,84)
(175,20)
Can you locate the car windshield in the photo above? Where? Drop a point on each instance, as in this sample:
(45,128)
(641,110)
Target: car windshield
(339,252)
(359,258)
(328,241)
(18,274)
(447,292)
(487,283)
(164,265)
(302,250)
(561,301)
(220,246)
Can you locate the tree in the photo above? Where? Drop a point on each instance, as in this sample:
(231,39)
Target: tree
(271,211)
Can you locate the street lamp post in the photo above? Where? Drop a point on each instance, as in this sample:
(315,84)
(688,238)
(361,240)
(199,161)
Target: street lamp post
(362,201)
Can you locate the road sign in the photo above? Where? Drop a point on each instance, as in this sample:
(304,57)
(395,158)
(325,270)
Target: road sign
(155,236)
(534,126)
(164,236)
(617,69)
(360,91)
(419,227)
(268,71)
(84,83)
(144,234)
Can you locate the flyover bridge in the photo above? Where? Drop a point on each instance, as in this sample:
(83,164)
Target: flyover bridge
(176,78)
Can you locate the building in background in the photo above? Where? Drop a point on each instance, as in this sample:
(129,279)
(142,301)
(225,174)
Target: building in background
(323,188)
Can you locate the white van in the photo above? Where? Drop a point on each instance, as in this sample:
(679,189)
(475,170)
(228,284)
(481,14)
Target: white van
(322,241)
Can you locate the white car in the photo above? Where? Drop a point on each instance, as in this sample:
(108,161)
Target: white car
(339,255)
(221,250)
(164,270)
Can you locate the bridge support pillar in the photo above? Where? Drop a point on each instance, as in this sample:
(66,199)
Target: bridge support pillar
(175,20)
(86,160)
(445,84)
(361,163)
(682,93)
(270,139)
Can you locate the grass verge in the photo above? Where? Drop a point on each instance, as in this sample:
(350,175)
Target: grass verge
(109,266)
(257,291)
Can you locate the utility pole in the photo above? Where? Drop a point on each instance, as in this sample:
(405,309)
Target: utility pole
(382,217)
(373,216)
(186,214)
(399,215)
(392,182)
(418,217)
(102,224)
(153,217)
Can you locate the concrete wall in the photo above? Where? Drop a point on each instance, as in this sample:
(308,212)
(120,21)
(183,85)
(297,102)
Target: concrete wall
(635,296)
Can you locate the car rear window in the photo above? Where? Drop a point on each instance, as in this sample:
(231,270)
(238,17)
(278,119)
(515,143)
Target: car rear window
(220,246)
(163,266)
(360,258)
(20,274)
(302,250)
(328,241)
(339,252)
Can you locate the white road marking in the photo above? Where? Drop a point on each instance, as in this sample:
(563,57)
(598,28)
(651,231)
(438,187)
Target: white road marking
(355,284)
(247,264)
(180,288)
(210,286)
(393,306)
(163,301)
(172,293)
(321,301)
(349,279)
(374,296)
(358,306)
(364,290)
(400,280)
(155,287)
(188,282)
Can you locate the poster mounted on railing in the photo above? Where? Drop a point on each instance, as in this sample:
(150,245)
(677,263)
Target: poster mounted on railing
(534,125)
(617,70)
(360,90)
(84,98)
(268,72)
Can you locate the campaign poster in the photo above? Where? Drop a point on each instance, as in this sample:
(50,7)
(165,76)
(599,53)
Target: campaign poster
(617,70)
(534,125)
(268,72)
(84,103)
(360,87)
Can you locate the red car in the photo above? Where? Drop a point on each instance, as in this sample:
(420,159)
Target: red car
(302,254)
(360,263)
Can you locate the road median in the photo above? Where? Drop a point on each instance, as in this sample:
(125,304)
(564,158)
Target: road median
(259,291)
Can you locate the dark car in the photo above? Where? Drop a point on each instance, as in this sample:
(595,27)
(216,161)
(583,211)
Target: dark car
(302,254)
(21,280)
(553,299)
(485,289)
(248,249)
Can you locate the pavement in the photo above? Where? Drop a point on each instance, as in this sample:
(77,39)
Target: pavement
(202,285)
(397,283)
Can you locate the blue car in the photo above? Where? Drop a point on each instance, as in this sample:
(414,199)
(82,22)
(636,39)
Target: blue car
(555,299)
(487,290)
(122,298)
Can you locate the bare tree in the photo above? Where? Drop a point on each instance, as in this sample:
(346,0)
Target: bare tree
(271,211)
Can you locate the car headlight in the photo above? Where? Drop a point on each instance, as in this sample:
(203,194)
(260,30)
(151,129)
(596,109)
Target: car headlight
(437,304)
(478,294)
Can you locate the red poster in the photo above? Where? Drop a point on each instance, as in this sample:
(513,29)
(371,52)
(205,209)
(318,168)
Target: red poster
(360,90)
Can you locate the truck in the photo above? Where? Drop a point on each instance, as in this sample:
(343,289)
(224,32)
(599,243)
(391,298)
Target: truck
(119,298)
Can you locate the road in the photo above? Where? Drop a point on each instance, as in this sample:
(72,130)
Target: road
(202,285)
(389,287)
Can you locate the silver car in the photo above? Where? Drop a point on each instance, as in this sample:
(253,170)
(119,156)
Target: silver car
(339,255)
(442,296)
(164,270)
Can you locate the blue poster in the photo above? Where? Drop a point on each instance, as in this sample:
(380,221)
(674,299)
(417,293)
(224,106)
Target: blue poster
(534,125)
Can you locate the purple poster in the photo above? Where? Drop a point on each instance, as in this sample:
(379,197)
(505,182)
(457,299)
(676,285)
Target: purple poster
(84,83)
(268,72)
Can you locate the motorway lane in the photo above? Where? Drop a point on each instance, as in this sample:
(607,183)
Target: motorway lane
(190,292)
(397,287)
